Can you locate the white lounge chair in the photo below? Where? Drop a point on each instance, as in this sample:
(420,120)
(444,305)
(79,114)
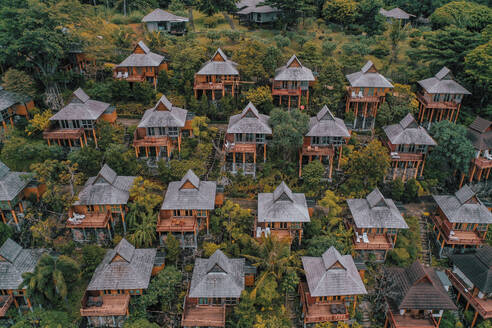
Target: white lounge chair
(119,75)
(125,75)
(361,94)
(267,232)
(258,232)
(365,238)
(353,94)
(357,237)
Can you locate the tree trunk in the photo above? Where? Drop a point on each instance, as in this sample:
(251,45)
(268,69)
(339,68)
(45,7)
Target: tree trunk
(190,19)
(229,20)
(124,7)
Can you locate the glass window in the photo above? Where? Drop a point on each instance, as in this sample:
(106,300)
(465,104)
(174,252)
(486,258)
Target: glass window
(201,213)
(175,212)
(250,137)
(421,148)
(481,227)
(436,97)
(400,148)
(370,92)
(173,131)
(260,138)
(150,132)
(411,148)
(203,301)
(162,131)
(239,137)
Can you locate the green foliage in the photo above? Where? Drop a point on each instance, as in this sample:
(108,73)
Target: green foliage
(6,232)
(88,160)
(397,189)
(261,98)
(92,255)
(146,194)
(18,81)
(412,189)
(329,89)
(398,106)
(289,129)
(273,320)
(140,323)
(172,248)
(312,174)
(122,160)
(143,93)
(143,233)
(231,222)
(464,14)
(45,319)
(369,17)
(478,66)
(244,313)
(340,11)
(108,134)
(407,246)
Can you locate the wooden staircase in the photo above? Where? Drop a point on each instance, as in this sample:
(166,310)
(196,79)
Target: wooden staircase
(425,241)
(212,158)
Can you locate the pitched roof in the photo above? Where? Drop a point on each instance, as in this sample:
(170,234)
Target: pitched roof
(417,288)
(396,13)
(477,267)
(463,207)
(16,261)
(163,114)
(217,276)
(325,124)
(124,267)
(81,107)
(159,15)
(249,121)
(408,132)
(480,133)
(282,206)
(107,188)
(9,98)
(442,82)
(200,197)
(368,77)
(148,58)
(332,274)
(294,71)
(375,211)
(219,67)
(12,183)
(254,6)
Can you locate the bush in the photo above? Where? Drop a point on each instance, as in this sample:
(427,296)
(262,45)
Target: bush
(380,52)
(328,47)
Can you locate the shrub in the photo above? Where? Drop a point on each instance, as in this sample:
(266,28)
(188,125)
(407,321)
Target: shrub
(281,41)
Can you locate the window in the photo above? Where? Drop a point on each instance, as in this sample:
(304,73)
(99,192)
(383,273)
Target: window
(337,298)
(230,300)
(379,231)
(400,148)
(458,226)
(260,138)
(250,137)
(411,148)
(76,124)
(203,301)
(115,208)
(436,97)
(64,124)
(173,131)
(446,97)
(162,131)
(187,212)
(481,227)
(421,148)
(282,225)
(201,213)
(370,92)
(391,231)
(239,137)
(150,132)
(285,84)
(176,213)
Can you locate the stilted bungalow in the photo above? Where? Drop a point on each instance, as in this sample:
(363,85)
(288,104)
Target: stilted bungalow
(480,134)
(12,105)
(331,288)
(396,13)
(161,130)
(246,137)
(100,205)
(367,91)
(282,214)
(408,144)
(460,221)
(216,284)
(125,271)
(439,98)
(471,279)
(218,77)
(324,141)
(142,65)
(161,20)
(14,261)
(291,83)
(186,208)
(376,222)
(75,123)
(256,12)
(417,297)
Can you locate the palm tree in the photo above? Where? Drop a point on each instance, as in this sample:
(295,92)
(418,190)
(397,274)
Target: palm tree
(144,232)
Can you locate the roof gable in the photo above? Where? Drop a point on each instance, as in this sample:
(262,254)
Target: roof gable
(294,62)
(282,193)
(444,73)
(250,111)
(481,125)
(369,67)
(190,181)
(164,104)
(408,122)
(376,198)
(465,194)
(219,56)
(4,169)
(106,174)
(141,47)
(10,250)
(80,96)
(325,114)
(125,250)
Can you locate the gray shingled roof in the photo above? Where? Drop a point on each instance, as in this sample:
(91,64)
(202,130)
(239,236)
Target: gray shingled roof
(293,73)
(443,83)
(9,98)
(325,124)
(249,121)
(367,79)
(107,188)
(332,274)
(254,6)
(478,134)
(12,183)
(217,277)
(396,13)
(477,267)
(226,67)
(464,207)
(408,132)
(172,117)
(202,197)
(148,59)
(17,261)
(159,15)
(132,271)
(81,107)
(375,211)
(282,206)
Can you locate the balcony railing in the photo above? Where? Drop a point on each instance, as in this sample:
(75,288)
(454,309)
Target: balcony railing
(328,150)
(105,305)
(376,242)
(58,133)
(279,91)
(458,237)
(320,312)
(174,224)
(131,77)
(90,220)
(483,162)
(429,102)
(409,321)
(5,302)
(151,141)
(203,315)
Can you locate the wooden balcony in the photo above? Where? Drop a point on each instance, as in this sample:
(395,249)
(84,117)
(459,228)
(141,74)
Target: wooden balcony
(286,92)
(131,78)
(407,157)
(410,321)
(483,306)
(482,162)
(364,98)
(177,224)
(92,220)
(376,242)
(241,148)
(57,133)
(459,237)
(111,305)
(430,103)
(203,315)
(327,150)
(319,312)
(151,141)
(5,302)
(209,86)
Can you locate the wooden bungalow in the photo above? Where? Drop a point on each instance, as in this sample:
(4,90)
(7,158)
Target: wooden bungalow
(281,214)
(396,13)
(13,105)
(416,298)
(470,277)
(331,288)
(142,65)
(439,98)
(376,222)
(408,144)
(480,135)
(256,12)
(246,137)
(217,77)
(460,221)
(125,271)
(15,261)
(160,130)
(324,140)
(161,20)
(291,84)
(187,207)
(75,123)
(100,205)
(367,91)
(15,191)
(216,284)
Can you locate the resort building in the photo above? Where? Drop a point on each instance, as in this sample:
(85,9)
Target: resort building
(163,21)
(480,135)
(396,13)
(256,12)
(13,105)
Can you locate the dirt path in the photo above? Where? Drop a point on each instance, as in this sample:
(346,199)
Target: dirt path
(128,121)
